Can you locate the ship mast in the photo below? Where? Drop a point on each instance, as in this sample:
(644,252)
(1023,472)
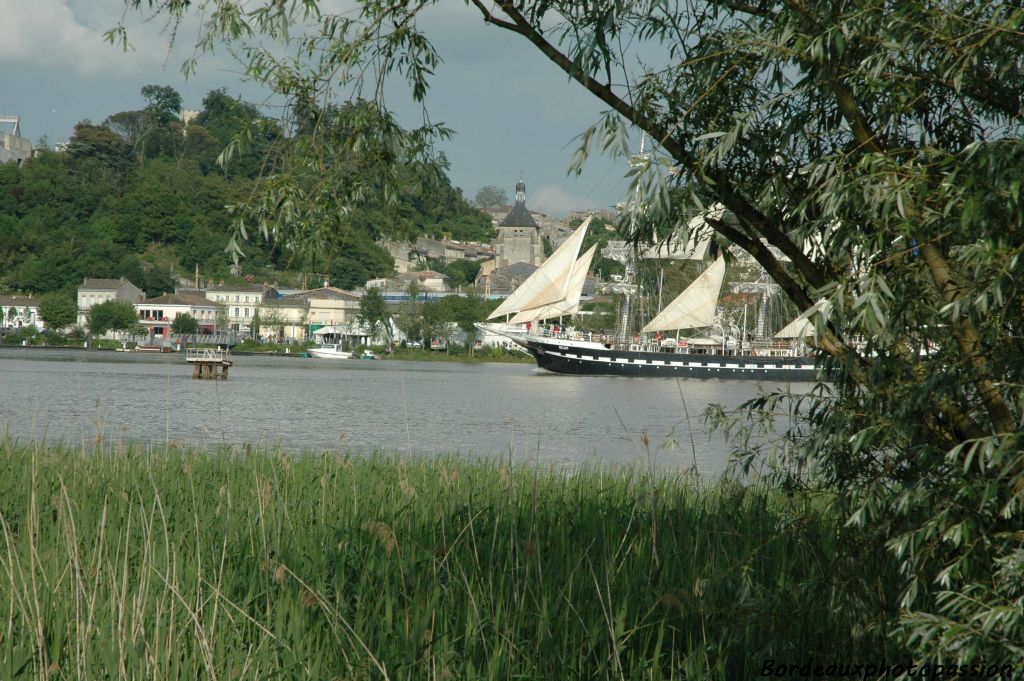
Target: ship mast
(623,252)
(765,289)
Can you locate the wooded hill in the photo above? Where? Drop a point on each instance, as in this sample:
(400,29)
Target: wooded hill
(143,195)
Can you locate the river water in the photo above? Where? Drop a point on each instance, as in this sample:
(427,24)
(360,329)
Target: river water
(416,408)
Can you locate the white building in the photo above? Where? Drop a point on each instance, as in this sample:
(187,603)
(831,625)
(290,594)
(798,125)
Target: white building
(13,147)
(285,318)
(157,315)
(95,291)
(17,312)
(241,301)
(427,281)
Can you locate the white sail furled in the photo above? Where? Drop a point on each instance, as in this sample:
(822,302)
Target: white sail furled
(802,326)
(694,307)
(571,302)
(549,282)
(695,244)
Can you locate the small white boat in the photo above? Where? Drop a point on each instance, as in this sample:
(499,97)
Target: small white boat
(330,352)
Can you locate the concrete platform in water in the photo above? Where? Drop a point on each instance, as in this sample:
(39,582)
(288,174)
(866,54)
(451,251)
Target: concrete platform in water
(208,362)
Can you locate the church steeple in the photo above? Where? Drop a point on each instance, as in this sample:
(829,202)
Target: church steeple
(518,239)
(519,216)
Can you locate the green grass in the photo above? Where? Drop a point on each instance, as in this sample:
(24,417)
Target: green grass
(135,564)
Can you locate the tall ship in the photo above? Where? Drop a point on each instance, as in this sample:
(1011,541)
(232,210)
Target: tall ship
(711,347)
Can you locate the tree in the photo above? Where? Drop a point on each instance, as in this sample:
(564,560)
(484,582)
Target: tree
(223,319)
(112,315)
(437,323)
(409,314)
(272,318)
(374,314)
(461,272)
(185,323)
(869,155)
(238,125)
(465,312)
(58,310)
(162,101)
(255,325)
(154,280)
(358,260)
(491,197)
(149,131)
(106,151)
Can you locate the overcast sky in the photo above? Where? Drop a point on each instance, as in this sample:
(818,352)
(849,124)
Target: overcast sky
(514,114)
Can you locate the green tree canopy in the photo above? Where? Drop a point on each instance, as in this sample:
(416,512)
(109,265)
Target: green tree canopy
(58,310)
(461,272)
(869,153)
(490,196)
(162,101)
(248,141)
(374,313)
(185,323)
(465,312)
(112,315)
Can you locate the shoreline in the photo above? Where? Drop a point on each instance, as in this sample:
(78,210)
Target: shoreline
(401,356)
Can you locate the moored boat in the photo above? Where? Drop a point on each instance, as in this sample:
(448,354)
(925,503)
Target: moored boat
(330,351)
(569,352)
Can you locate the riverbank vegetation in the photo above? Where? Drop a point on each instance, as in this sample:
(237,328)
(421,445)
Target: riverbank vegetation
(136,563)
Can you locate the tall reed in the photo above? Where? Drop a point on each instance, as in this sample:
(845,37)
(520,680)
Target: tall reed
(128,563)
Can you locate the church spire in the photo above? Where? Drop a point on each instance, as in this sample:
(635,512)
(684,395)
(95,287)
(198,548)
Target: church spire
(519,216)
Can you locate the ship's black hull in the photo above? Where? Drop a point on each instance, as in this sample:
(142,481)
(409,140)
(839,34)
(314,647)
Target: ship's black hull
(569,359)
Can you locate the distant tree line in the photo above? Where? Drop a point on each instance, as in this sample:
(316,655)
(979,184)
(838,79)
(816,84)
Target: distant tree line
(145,193)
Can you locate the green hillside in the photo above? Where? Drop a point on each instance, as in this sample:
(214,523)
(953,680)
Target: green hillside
(141,195)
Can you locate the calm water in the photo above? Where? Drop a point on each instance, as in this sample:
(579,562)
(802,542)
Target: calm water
(310,405)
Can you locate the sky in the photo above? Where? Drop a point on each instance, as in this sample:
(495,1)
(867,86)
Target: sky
(515,115)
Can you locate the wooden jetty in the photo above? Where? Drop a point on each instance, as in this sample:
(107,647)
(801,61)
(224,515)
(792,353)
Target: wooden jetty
(208,362)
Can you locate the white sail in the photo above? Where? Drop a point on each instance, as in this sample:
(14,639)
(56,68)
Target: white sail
(548,284)
(694,307)
(690,246)
(802,326)
(571,302)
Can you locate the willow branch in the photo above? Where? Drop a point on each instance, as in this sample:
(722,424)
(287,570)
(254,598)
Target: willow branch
(731,198)
(970,344)
(942,277)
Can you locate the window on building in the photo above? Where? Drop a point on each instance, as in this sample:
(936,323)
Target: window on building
(236,311)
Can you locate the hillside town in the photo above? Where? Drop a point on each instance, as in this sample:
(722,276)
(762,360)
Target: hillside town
(267,311)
